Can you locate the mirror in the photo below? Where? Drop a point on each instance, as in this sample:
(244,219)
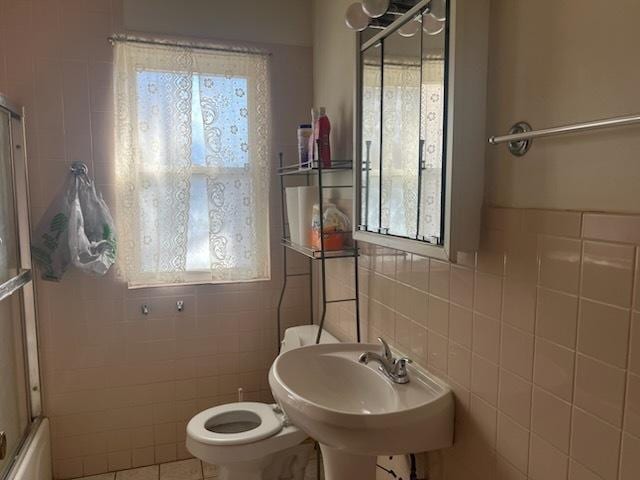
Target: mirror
(402,120)
(432,127)
(400,135)
(420,114)
(371,136)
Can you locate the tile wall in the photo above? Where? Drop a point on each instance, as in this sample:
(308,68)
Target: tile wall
(538,334)
(119,386)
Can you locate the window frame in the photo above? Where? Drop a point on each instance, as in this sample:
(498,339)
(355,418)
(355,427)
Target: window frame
(259,155)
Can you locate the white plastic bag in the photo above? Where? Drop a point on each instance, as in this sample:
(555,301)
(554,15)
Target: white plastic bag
(76,229)
(333,219)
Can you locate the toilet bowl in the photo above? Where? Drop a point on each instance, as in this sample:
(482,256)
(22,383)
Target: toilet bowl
(250,440)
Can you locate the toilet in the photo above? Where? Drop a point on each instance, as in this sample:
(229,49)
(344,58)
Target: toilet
(251,440)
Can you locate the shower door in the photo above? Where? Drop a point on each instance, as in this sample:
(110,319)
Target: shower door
(19,376)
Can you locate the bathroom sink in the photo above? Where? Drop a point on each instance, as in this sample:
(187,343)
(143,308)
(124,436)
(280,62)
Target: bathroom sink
(355,412)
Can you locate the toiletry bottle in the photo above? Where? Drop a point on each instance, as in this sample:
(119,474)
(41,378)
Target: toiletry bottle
(312,139)
(305,132)
(322,137)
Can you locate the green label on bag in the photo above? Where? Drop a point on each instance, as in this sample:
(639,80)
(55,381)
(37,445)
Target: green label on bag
(50,240)
(107,235)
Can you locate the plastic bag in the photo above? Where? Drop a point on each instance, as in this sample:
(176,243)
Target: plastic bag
(333,219)
(335,226)
(76,229)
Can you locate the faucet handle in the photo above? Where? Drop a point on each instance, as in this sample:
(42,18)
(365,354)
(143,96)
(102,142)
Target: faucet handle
(387,351)
(400,366)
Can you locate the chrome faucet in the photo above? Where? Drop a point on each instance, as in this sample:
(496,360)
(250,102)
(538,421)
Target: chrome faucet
(394,368)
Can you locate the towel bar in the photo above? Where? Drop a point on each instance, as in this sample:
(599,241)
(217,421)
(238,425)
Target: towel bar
(521,135)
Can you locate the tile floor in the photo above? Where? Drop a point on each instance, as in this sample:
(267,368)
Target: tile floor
(192,469)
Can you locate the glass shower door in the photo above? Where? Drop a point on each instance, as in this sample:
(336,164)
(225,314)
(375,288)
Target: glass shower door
(16,286)
(14,414)
(8,225)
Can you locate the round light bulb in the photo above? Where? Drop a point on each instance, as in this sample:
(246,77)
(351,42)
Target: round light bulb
(438,8)
(431,25)
(375,8)
(355,17)
(410,28)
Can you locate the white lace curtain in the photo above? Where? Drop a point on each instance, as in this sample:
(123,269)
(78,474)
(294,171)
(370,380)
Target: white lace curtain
(192,162)
(412,105)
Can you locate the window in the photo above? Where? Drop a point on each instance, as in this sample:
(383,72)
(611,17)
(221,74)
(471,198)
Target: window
(192,156)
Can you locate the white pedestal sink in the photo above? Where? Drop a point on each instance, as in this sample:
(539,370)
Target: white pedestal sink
(355,412)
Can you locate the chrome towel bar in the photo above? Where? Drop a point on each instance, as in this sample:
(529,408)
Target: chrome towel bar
(521,135)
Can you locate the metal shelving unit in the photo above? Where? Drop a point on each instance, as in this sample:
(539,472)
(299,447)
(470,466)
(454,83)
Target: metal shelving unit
(321,255)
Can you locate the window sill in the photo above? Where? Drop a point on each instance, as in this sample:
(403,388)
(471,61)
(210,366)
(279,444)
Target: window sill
(192,282)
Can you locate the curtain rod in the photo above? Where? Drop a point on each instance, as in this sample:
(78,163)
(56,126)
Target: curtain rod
(195,46)
(521,134)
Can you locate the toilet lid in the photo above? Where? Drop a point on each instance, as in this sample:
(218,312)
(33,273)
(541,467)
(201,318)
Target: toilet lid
(235,424)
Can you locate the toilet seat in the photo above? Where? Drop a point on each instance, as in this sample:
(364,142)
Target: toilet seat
(233,423)
(271,436)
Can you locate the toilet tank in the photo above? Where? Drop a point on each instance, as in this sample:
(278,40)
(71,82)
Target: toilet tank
(296,337)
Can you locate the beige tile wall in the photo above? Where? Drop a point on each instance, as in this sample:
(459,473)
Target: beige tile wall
(119,386)
(538,334)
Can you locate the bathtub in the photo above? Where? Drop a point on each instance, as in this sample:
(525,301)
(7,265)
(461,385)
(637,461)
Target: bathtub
(34,459)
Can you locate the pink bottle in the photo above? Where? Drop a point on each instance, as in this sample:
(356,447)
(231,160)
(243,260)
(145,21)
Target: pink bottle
(313,145)
(322,133)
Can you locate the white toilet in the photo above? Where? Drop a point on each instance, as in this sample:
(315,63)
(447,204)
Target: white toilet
(253,441)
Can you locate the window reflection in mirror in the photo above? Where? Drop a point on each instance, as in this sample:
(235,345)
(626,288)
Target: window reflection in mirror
(432,128)
(371,121)
(402,132)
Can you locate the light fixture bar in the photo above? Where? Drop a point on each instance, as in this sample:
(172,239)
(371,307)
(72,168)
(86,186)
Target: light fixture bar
(398,23)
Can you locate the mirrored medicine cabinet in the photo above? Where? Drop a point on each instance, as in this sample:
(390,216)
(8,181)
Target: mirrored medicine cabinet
(420,127)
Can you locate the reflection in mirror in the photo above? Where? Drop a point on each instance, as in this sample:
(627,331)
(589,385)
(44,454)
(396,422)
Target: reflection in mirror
(432,129)
(400,134)
(422,65)
(371,118)
(402,131)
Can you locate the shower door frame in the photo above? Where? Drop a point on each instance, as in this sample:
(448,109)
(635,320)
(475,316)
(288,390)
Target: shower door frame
(24,279)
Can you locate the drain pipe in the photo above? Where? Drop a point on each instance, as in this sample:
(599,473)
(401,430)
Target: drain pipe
(413,474)
(390,472)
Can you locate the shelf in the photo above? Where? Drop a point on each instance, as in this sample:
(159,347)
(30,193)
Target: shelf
(336,166)
(317,254)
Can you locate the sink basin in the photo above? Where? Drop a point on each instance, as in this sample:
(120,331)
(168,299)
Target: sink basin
(355,412)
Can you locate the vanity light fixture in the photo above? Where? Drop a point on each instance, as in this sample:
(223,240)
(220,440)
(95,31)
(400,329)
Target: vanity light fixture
(379,13)
(375,8)
(410,28)
(431,25)
(438,8)
(356,18)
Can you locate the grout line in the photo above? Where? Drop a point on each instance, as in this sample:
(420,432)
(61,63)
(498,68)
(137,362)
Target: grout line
(500,376)
(534,349)
(473,321)
(634,281)
(575,352)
